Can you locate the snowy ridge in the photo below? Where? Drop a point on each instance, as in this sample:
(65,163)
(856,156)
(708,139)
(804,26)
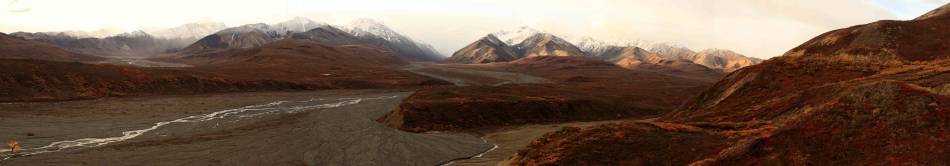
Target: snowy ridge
(363,27)
(369,28)
(297,24)
(134,34)
(513,37)
(187,31)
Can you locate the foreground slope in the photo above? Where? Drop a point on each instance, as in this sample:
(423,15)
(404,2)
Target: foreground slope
(877,93)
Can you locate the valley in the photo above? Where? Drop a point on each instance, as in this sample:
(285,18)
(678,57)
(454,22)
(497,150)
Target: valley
(358,91)
(313,128)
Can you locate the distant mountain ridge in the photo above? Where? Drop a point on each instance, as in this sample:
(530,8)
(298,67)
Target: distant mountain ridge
(129,44)
(206,37)
(626,54)
(12,47)
(362,31)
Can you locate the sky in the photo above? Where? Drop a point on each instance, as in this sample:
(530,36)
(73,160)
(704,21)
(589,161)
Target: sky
(757,28)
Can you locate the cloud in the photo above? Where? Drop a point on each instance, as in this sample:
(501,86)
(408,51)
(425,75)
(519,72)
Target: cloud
(17,6)
(936,2)
(26,10)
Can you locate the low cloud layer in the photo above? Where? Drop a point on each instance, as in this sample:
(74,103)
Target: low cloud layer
(760,28)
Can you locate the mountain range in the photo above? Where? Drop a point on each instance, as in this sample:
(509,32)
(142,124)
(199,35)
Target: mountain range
(526,42)
(19,48)
(204,37)
(361,31)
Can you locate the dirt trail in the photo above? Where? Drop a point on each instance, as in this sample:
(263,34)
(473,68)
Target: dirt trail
(310,128)
(466,77)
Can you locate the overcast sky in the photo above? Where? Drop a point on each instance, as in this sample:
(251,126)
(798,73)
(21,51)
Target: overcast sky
(759,28)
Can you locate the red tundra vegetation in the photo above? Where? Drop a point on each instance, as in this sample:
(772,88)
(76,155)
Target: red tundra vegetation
(870,94)
(282,65)
(579,89)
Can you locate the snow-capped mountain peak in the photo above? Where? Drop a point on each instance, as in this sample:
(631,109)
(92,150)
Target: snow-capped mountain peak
(134,34)
(590,45)
(297,24)
(364,26)
(187,31)
(512,37)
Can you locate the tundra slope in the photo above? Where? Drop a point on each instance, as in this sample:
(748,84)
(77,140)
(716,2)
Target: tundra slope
(868,94)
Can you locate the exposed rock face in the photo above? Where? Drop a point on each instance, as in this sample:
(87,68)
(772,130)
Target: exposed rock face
(12,47)
(488,49)
(868,94)
(544,44)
